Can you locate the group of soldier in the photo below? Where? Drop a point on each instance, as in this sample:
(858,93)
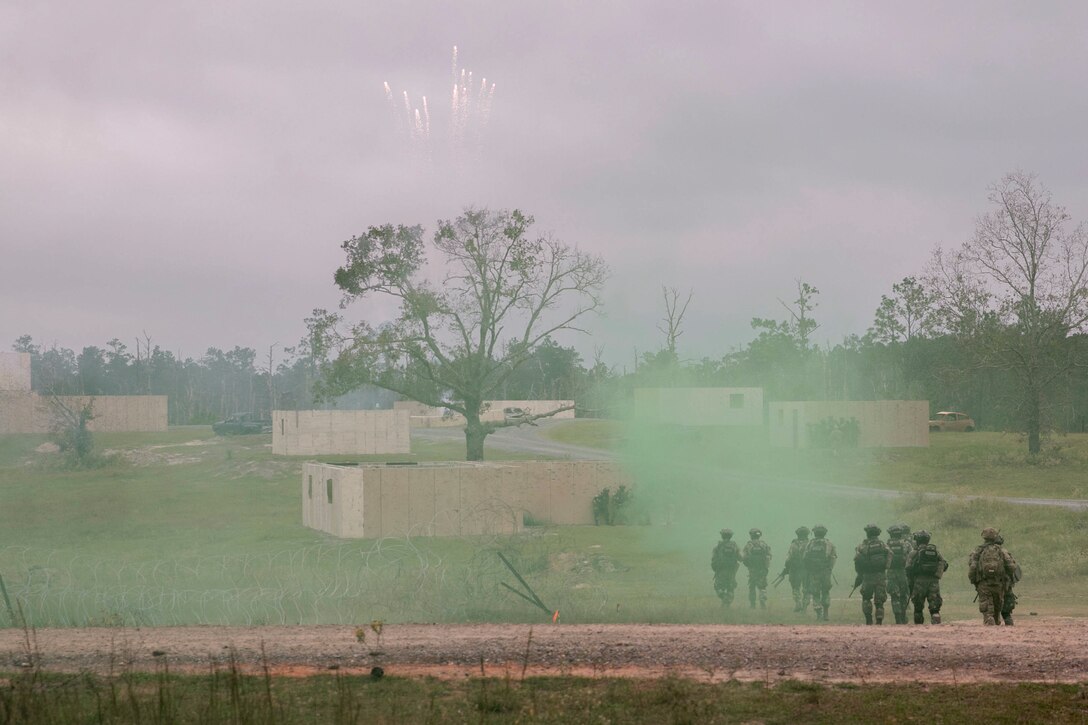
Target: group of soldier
(906,568)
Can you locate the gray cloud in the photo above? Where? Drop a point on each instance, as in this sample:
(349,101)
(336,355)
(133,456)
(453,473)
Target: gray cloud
(190,170)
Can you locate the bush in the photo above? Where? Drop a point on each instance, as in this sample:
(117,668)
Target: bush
(834,433)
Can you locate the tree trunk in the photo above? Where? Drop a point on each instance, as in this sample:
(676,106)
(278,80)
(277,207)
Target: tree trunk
(474,432)
(1034,409)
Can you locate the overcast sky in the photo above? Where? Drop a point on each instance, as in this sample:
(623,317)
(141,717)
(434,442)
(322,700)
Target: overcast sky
(188,170)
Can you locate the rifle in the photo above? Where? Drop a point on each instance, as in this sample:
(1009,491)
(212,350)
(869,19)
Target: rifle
(781,576)
(857,583)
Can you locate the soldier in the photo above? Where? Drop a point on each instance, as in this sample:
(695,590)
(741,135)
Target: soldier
(724,561)
(898,590)
(925,567)
(1010,597)
(819,560)
(871,560)
(794,568)
(990,569)
(757,557)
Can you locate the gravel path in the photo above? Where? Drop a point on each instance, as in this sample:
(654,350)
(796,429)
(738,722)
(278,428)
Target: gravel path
(1039,650)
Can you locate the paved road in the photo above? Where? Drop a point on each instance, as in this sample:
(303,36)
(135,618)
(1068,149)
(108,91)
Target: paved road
(520,439)
(531,439)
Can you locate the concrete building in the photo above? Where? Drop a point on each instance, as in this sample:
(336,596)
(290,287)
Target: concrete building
(881,423)
(23,411)
(425,416)
(15,372)
(451,499)
(700,406)
(339,432)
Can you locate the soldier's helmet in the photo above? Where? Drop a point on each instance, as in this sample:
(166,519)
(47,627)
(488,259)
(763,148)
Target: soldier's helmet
(921,536)
(755,533)
(819,530)
(872,530)
(895,531)
(727,533)
(903,528)
(1000,540)
(990,533)
(802,531)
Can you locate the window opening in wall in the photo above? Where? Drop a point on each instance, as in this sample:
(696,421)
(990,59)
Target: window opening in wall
(328,489)
(281,426)
(736,400)
(310,491)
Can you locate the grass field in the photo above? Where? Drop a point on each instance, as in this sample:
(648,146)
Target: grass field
(191,528)
(228,697)
(995,464)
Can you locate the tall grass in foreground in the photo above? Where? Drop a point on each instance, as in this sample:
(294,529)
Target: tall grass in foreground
(225,695)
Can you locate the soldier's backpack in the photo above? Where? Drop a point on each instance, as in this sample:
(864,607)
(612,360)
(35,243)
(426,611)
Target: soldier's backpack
(900,548)
(873,556)
(816,554)
(759,555)
(991,564)
(927,562)
(725,555)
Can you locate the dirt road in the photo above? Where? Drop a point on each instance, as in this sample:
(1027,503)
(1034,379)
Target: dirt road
(1039,650)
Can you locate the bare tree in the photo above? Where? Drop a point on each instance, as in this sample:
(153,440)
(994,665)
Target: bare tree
(1017,290)
(455,341)
(672,324)
(801,321)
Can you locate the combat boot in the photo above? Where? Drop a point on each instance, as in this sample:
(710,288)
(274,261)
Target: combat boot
(880,615)
(934,617)
(988,621)
(867,610)
(825,615)
(819,613)
(919,618)
(1008,619)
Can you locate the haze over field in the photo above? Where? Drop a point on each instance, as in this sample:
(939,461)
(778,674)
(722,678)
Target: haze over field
(190,171)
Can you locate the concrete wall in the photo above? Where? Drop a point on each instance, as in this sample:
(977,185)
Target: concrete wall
(425,416)
(32,413)
(15,371)
(700,406)
(451,499)
(882,423)
(333,432)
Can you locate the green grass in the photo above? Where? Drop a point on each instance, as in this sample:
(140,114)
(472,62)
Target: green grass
(208,530)
(227,696)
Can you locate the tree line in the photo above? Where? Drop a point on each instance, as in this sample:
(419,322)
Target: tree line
(994,328)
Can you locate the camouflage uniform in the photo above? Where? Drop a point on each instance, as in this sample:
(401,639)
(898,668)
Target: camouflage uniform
(991,568)
(1010,596)
(795,569)
(871,560)
(756,556)
(898,588)
(924,569)
(725,561)
(819,560)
